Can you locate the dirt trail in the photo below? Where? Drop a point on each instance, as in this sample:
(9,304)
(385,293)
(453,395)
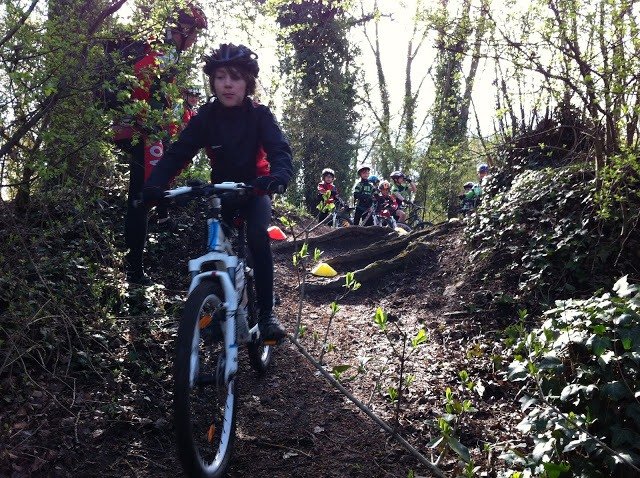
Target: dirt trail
(291,422)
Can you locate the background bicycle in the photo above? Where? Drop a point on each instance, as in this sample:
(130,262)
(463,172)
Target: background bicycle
(383,218)
(339,216)
(414,216)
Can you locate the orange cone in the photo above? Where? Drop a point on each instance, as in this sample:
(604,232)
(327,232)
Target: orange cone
(276,233)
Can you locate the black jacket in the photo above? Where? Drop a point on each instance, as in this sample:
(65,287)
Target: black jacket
(235,135)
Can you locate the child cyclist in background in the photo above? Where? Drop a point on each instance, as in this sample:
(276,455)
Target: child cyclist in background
(385,201)
(245,144)
(363,196)
(324,186)
(401,189)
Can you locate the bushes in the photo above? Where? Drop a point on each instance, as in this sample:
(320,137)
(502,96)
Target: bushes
(581,382)
(540,230)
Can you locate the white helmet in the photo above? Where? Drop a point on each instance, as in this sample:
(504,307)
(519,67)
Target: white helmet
(326,171)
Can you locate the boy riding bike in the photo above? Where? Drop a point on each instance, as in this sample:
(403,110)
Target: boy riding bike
(386,203)
(245,144)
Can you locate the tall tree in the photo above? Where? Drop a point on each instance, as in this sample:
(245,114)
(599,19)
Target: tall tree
(444,161)
(319,115)
(395,145)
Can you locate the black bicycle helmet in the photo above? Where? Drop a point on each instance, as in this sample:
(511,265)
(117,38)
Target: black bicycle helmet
(229,54)
(396,175)
(192,15)
(468,185)
(191,91)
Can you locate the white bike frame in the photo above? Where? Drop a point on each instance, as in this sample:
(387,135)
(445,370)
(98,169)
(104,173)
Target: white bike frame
(221,253)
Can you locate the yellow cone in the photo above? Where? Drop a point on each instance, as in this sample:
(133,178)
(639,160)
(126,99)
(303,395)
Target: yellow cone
(324,270)
(401,231)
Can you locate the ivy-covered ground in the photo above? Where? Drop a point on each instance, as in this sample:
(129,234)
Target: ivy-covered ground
(85,375)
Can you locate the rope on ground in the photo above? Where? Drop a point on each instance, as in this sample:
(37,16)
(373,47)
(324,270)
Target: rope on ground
(421,458)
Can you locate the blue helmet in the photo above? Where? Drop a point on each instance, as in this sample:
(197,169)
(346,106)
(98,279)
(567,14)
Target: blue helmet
(373,179)
(483,168)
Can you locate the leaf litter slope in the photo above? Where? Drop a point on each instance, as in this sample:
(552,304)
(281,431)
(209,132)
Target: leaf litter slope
(114,417)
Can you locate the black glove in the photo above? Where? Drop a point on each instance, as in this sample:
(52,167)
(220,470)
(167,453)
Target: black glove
(269,184)
(152,194)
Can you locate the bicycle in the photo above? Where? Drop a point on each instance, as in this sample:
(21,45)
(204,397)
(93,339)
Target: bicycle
(413,219)
(339,216)
(383,218)
(220,313)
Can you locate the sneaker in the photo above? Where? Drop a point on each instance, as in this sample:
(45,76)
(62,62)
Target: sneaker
(139,278)
(270,328)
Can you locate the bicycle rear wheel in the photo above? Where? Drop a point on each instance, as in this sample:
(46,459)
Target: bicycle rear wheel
(343,221)
(204,405)
(403,226)
(259,353)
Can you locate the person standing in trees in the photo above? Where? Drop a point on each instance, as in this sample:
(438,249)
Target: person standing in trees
(245,144)
(142,137)
(401,189)
(326,186)
(363,196)
(191,97)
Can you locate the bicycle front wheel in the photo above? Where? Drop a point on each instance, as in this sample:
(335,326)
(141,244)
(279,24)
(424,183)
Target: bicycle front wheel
(204,404)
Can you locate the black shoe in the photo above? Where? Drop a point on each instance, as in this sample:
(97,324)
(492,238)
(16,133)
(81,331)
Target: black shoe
(270,329)
(139,278)
(167,224)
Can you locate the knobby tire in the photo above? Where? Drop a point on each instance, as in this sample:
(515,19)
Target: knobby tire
(343,221)
(204,406)
(403,226)
(259,354)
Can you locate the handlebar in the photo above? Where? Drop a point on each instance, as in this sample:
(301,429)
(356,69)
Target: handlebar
(201,190)
(208,189)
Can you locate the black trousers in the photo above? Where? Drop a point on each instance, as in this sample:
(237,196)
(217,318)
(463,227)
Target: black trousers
(136,219)
(361,211)
(257,214)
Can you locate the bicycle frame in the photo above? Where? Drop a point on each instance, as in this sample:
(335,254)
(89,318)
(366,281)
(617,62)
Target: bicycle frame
(376,218)
(220,252)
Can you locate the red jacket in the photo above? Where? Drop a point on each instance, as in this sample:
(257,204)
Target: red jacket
(386,204)
(324,187)
(147,72)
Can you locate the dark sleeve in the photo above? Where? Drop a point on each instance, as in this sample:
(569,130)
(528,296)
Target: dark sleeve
(181,152)
(357,192)
(276,146)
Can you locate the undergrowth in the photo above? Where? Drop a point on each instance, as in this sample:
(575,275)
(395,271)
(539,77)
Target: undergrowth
(580,376)
(538,234)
